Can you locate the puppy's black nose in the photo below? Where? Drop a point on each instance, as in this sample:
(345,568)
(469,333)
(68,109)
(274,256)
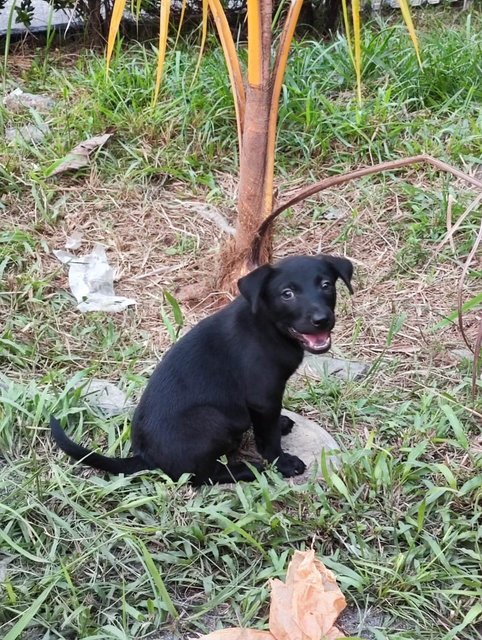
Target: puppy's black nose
(319,318)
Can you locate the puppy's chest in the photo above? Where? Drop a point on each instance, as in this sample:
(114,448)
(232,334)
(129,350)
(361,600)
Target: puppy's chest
(264,382)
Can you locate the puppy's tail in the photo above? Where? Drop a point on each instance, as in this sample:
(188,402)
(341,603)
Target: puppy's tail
(77,452)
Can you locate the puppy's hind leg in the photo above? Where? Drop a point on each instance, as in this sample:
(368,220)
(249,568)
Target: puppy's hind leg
(227,473)
(267,433)
(286,425)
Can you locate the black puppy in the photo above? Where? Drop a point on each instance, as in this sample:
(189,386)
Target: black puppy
(229,373)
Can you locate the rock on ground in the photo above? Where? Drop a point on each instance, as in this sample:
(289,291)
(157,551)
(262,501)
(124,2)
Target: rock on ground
(322,366)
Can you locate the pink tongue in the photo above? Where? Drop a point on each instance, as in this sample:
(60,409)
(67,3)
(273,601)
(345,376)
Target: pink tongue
(317,339)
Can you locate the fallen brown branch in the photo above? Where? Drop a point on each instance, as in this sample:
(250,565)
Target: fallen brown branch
(468,261)
(334,181)
(477,349)
(478,342)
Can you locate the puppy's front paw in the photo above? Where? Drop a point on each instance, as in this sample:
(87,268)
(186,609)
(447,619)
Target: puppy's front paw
(285,424)
(290,465)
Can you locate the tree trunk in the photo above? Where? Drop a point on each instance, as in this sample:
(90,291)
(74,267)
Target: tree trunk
(252,167)
(94,24)
(253,205)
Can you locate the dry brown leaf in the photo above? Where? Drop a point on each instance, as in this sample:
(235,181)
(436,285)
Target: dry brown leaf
(304,607)
(79,156)
(307,605)
(333,634)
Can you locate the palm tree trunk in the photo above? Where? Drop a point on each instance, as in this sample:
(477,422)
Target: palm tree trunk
(252,203)
(252,167)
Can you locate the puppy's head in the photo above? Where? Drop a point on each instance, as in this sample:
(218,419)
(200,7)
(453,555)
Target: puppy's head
(298,294)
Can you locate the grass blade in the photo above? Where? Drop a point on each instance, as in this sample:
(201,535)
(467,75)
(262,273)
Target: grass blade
(473,614)
(158,581)
(407,16)
(475,366)
(357,46)
(8,36)
(475,303)
(277,82)
(232,62)
(163,33)
(456,426)
(176,309)
(29,614)
(346,21)
(23,552)
(204,32)
(181,21)
(341,487)
(117,13)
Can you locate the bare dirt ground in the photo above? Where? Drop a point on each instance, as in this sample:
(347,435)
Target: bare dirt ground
(158,239)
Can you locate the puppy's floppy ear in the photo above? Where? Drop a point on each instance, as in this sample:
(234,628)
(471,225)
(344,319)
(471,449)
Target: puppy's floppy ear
(251,286)
(343,267)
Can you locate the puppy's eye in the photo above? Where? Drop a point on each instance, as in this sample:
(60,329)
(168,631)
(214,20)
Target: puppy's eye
(325,285)
(287,294)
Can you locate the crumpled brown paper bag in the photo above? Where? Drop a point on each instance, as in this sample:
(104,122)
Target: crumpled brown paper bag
(304,607)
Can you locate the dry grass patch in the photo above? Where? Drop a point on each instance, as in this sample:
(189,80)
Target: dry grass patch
(160,238)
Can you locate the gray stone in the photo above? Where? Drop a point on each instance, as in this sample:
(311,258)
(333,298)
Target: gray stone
(105,396)
(4,562)
(308,440)
(28,133)
(17,100)
(320,367)
(98,394)
(334,214)
(463,354)
(5,382)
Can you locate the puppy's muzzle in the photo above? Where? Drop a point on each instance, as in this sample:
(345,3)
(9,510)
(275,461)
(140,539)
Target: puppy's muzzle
(318,342)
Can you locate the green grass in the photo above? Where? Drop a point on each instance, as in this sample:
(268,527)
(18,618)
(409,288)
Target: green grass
(398,523)
(192,128)
(83,556)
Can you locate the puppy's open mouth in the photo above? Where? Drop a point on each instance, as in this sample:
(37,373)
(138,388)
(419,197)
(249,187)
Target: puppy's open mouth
(313,342)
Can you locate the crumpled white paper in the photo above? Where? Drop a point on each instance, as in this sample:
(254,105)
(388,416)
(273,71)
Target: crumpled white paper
(91,280)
